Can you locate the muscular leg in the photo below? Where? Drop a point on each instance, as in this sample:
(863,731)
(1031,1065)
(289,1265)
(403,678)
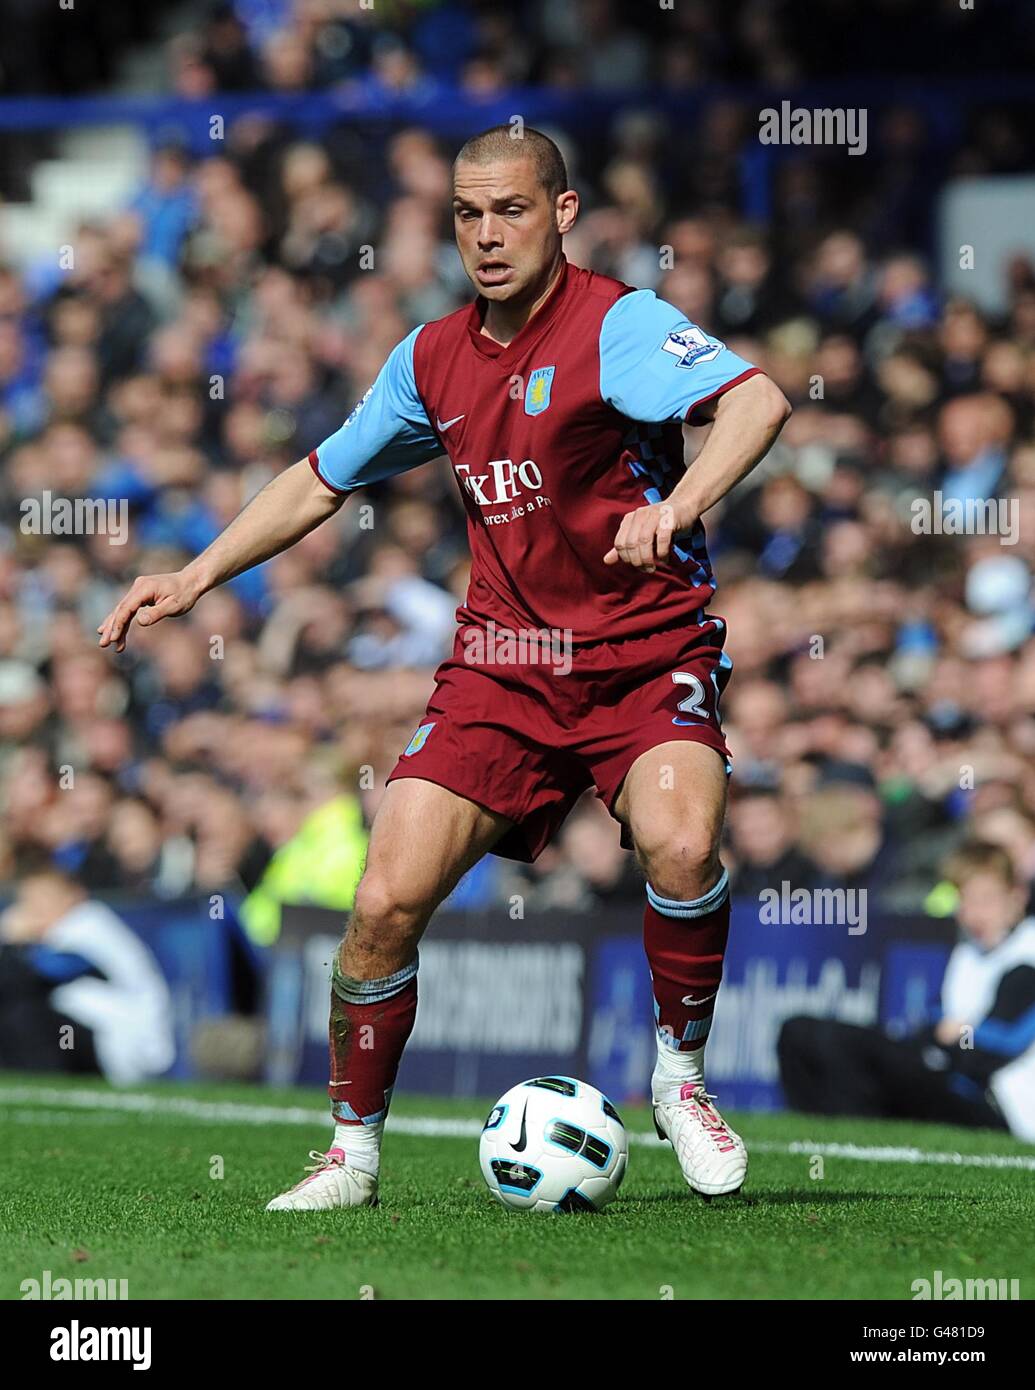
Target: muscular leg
(423,840)
(673,801)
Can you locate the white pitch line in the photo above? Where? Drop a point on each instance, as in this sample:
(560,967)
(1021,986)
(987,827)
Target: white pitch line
(217,1111)
(432,1127)
(892,1154)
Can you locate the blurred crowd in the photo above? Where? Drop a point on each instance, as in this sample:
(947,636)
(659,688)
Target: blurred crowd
(398,45)
(222,324)
(487,48)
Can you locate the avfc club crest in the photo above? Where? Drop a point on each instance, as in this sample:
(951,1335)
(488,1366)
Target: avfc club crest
(692,345)
(537,392)
(418,740)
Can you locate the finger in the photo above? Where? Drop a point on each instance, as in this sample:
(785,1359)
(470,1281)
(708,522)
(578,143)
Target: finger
(112,626)
(632,554)
(154,613)
(620,543)
(642,541)
(105,628)
(121,632)
(108,626)
(612,557)
(629,553)
(121,617)
(663,537)
(124,613)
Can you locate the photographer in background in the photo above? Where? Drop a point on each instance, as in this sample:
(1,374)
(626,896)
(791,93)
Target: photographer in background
(79,991)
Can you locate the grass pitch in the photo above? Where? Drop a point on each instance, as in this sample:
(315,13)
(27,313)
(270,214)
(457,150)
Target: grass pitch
(165,1187)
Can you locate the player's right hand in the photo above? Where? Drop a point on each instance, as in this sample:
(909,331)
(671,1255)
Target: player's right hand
(644,538)
(152,598)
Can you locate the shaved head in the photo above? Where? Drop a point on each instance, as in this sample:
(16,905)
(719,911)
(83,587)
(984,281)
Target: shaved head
(503,142)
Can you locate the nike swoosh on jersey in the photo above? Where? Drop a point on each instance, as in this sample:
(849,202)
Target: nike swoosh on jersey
(443,425)
(689,999)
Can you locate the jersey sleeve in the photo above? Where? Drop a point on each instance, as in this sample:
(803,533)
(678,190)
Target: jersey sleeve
(1009,1028)
(388,432)
(656,366)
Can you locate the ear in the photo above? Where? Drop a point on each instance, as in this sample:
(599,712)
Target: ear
(567,210)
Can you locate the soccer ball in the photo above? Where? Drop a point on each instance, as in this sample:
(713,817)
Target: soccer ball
(554,1144)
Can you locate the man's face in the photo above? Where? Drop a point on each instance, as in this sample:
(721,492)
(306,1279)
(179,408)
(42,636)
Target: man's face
(508,228)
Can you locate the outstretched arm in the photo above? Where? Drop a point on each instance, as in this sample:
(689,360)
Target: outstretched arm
(286,509)
(387,433)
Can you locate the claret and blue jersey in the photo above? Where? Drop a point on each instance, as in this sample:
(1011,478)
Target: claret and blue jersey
(552,438)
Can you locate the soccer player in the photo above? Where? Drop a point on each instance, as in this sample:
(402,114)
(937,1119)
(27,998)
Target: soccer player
(559,397)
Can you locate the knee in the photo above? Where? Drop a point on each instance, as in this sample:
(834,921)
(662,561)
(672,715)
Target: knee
(383,912)
(684,865)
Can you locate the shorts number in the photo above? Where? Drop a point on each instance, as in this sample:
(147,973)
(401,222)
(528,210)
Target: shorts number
(693,702)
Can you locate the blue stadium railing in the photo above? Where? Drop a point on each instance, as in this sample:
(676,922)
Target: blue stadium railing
(946,104)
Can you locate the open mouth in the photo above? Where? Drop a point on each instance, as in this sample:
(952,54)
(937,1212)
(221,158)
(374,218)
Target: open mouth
(494,273)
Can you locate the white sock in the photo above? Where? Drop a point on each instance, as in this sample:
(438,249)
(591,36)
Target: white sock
(675,1069)
(361,1144)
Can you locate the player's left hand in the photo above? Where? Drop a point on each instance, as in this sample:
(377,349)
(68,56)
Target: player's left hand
(644,538)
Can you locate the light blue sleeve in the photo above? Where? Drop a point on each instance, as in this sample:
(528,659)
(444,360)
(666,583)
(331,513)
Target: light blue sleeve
(655,365)
(388,432)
